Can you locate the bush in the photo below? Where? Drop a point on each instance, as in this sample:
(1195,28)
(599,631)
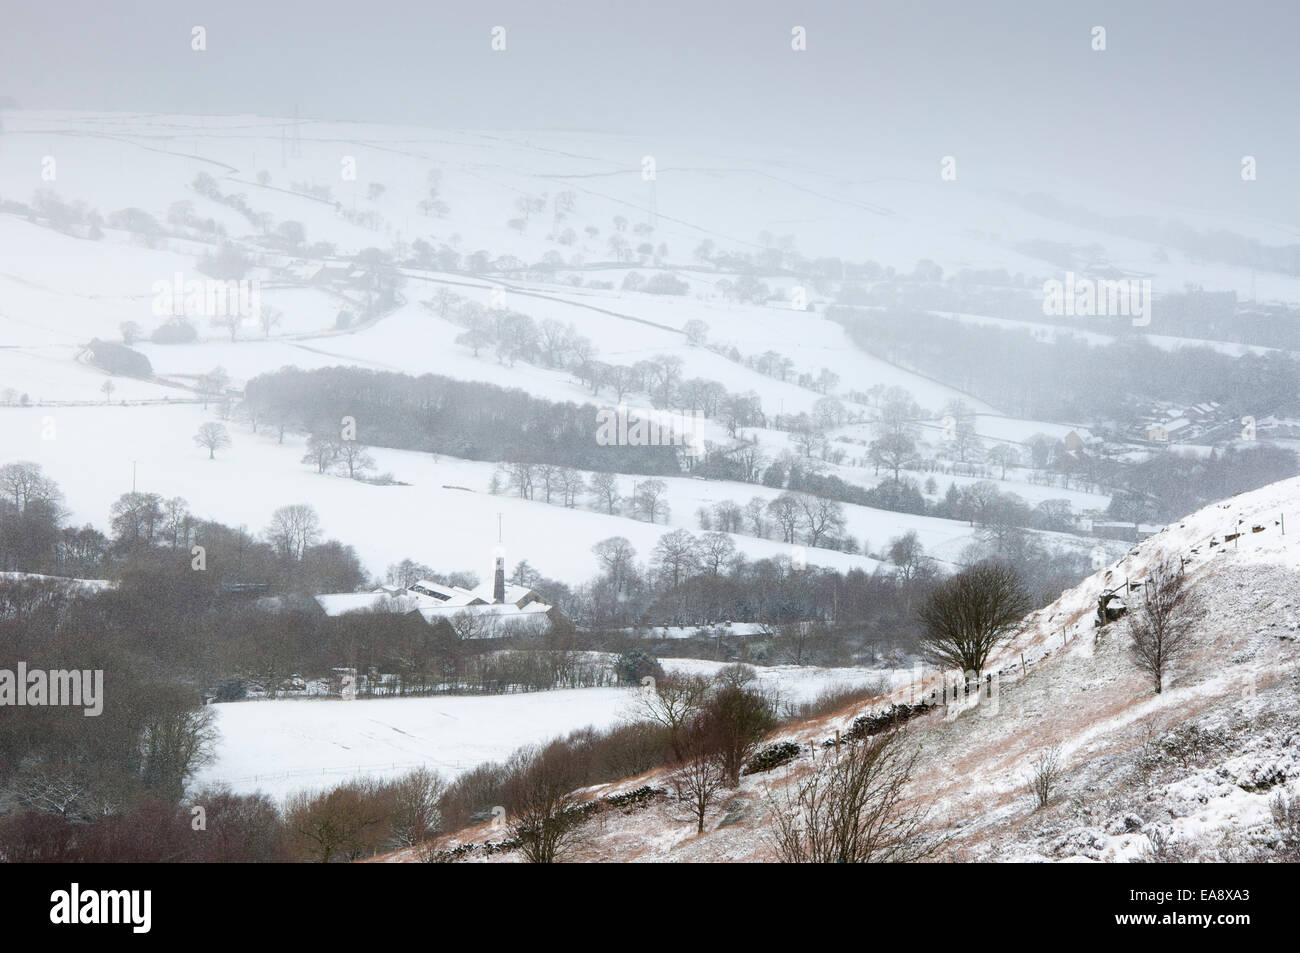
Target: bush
(852,810)
(119,359)
(665,284)
(176,331)
(737,718)
(638,664)
(1045,775)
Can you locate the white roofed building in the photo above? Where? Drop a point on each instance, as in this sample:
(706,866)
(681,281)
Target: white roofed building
(491,610)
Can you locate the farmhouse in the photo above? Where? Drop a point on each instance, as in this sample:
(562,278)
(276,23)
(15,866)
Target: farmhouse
(492,610)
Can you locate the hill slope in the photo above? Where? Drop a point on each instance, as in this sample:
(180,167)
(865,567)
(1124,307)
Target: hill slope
(1187,774)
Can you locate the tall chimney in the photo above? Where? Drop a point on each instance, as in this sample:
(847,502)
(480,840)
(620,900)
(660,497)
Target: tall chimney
(499,583)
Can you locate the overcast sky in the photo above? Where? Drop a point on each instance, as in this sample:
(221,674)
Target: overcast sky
(1183,90)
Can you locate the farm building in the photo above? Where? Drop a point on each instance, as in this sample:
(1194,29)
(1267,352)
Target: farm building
(491,610)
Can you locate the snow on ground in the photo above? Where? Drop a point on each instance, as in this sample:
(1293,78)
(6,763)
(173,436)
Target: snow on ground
(288,745)
(795,684)
(58,291)
(92,585)
(431,519)
(284,746)
(1050,332)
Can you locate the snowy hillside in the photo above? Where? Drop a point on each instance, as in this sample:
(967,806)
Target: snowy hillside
(61,288)
(1190,773)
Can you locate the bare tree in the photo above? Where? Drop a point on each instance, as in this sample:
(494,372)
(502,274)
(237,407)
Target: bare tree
(468,625)
(1005,455)
(282,416)
(894,452)
(268,318)
(675,703)
(1159,628)
(696,331)
(675,556)
(417,817)
(793,641)
(548,476)
(335,825)
(571,483)
(212,437)
(700,777)
(540,795)
(177,522)
(854,810)
(51,787)
(820,518)
(25,484)
(785,511)
(228,322)
(322,450)
(354,457)
(176,739)
(618,557)
(293,530)
(714,551)
(621,378)
(1045,773)
(213,384)
(648,500)
(520,476)
(604,487)
(970,613)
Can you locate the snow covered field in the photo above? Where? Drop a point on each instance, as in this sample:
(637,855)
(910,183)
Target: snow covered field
(288,745)
(446,528)
(57,291)
(797,683)
(283,746)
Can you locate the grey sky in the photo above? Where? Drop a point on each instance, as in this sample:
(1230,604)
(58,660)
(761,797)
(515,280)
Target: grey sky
(1182,92)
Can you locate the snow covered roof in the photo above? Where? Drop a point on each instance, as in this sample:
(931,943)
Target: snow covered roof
(503,609)
(514,594)
(435,593)
(433,600)
(338,603)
